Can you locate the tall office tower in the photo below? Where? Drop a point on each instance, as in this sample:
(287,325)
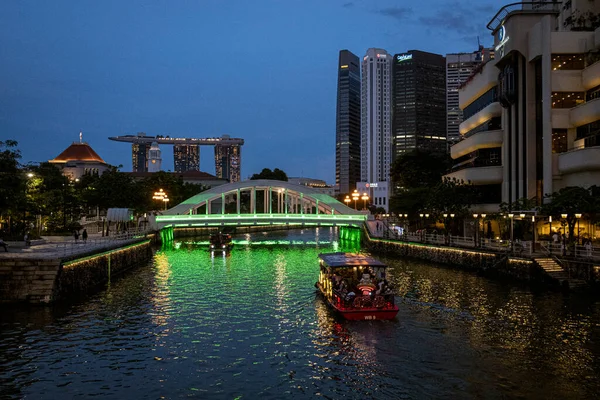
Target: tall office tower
(154,158)
(139,157)
(347,124)
(375,141)
(419,102)
(228,161)
(459,67)
(186,157)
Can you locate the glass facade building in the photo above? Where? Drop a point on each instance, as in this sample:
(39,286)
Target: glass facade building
(347,126)
(186,158)
(418,102)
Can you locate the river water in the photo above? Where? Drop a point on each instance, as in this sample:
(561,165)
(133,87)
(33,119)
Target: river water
(250,326)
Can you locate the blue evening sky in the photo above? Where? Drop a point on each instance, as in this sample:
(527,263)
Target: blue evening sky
(262,70)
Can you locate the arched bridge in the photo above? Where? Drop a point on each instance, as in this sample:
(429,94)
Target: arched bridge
(260,202)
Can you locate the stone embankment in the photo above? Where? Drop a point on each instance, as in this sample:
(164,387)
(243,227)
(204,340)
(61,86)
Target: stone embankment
(47,273)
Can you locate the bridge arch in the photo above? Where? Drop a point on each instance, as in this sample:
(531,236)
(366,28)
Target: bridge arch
(260,202)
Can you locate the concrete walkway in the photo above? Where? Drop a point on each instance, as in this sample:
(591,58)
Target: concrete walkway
(60,246)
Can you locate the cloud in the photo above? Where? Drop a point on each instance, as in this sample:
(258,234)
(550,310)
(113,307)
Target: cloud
(348,5)
(456,17)
(399,13)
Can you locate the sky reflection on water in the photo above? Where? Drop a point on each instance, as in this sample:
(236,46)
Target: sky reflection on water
(250,325)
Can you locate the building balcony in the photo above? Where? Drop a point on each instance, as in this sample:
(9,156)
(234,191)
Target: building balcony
(585,113)
(567,81)
(590,77)
(480,140)
(478,175)
(479,83)
(492,110)
(579,160)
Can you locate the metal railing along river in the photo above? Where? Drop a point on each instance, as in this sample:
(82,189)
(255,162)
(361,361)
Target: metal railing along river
(81,246)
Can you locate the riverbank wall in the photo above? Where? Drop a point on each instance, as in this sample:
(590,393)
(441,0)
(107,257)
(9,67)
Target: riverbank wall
(488,263)
(45,278)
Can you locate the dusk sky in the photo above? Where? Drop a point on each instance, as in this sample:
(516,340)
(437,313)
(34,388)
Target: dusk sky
(261,70)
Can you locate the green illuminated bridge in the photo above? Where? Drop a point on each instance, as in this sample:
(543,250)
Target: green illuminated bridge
(260,202)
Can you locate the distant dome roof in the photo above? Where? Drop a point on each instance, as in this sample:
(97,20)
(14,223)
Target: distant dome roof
(78,152)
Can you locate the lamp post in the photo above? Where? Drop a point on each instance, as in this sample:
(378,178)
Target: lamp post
(550,222)
(355,196)
(161,196)
(365,197)
(476,217)
(578,216)
(347,201)
(512,244)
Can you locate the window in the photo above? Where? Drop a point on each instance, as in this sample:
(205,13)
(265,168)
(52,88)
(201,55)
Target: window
(567,62)
(567,99)
(559,140)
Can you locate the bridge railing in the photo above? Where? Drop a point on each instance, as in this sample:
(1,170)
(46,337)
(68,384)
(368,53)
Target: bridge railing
(186,220)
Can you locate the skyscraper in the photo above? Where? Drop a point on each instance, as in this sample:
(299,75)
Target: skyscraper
(139,157)
(186,157)
(419,102)
(347,127)
(228,161)
(459,67)
(375,145)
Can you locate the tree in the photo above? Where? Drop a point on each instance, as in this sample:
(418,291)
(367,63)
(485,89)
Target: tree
(266,173)
(572,200)
(12,182)
(419,168)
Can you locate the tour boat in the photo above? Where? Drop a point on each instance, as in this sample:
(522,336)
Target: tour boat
(220,242)
(354,285)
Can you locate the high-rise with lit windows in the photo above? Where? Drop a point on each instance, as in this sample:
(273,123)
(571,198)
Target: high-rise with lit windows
(419,102)
(347,126)
(459,67)
(186,157)
(375,123)
(376,88)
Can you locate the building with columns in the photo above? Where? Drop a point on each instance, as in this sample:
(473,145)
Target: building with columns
(532,115)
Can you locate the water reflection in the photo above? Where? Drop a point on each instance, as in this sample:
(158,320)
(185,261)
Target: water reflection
(250,325)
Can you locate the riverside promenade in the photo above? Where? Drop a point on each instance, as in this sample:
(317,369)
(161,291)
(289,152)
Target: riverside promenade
(56,268)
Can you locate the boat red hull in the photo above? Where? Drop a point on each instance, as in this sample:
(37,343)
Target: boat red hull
(387,312)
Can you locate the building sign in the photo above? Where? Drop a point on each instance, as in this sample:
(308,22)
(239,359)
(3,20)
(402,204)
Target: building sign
(502,40)
(371,185)
(403,57)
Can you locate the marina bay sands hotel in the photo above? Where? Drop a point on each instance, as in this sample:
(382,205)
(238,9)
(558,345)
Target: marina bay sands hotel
(146,155)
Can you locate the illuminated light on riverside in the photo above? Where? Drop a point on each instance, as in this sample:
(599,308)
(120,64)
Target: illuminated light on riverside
(83,260)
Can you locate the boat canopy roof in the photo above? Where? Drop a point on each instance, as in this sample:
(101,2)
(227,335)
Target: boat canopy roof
(349,260)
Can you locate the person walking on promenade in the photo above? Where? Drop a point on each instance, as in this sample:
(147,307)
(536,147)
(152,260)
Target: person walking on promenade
(84,235)
(76,235)
(4,244)
(27,240)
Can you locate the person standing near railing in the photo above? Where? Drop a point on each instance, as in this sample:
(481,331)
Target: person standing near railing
(84,235)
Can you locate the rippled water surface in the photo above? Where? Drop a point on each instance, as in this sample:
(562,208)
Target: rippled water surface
(250,326)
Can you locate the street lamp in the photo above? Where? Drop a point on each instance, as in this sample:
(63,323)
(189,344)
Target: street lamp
(578,216)
(161,196)
(475,216)
(365,197)
(347,200)
(512,246)
(355,196)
